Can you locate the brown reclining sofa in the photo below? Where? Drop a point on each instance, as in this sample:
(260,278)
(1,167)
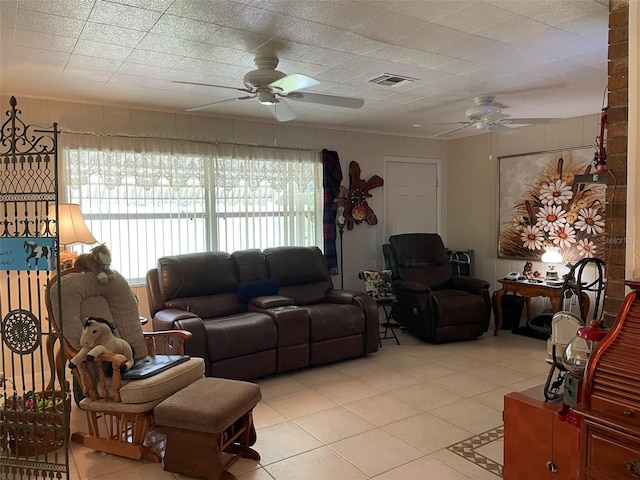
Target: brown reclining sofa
(253,313)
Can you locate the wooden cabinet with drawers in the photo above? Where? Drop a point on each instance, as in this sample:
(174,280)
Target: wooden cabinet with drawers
(537,443)
(610,433)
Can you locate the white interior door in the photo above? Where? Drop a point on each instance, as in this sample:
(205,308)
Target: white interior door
(412,196)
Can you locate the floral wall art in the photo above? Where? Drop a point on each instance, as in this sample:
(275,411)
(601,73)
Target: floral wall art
(541,206)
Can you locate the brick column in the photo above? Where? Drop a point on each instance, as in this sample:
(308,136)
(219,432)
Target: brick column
(616,143)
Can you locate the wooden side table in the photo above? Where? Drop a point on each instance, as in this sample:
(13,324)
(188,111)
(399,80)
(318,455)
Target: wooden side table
(528,290)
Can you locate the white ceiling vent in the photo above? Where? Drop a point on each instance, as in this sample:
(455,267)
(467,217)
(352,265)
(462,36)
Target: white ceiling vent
(391,80)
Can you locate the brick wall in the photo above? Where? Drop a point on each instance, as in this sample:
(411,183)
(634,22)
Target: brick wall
(616,143)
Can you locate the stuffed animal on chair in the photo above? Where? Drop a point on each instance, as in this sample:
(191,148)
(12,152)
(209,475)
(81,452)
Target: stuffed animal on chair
(97,338)
(98,261)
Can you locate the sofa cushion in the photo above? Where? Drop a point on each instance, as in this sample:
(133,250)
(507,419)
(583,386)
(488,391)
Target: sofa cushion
(197,274)
(257,288)
(301,272)
(239,335)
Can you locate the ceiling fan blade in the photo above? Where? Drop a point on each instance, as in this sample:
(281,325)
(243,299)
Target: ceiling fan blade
(466,125)
(216,86)
(293,82)
(281,111)
(202,107)
(331,100)
(529,121)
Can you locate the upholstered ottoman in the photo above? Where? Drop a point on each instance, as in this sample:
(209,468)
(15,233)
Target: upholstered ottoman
(205,419)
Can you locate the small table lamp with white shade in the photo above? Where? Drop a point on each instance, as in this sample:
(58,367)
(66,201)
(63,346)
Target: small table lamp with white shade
(552,256)
(72,230)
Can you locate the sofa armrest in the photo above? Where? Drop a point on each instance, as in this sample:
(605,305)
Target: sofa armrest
(337,295)
(369,308)
(270,301)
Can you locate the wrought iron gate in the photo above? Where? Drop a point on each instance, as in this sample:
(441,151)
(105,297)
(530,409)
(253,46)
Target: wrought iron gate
(35,404)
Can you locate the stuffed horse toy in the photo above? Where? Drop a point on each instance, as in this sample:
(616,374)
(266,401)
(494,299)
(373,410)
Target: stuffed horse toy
(98,338)
(98,260)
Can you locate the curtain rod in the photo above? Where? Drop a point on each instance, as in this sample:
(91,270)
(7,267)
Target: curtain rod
(152,137)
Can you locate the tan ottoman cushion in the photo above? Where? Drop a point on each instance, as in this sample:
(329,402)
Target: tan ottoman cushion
(208,405)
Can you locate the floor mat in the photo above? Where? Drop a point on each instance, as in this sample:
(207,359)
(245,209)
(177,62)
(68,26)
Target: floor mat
(467,449)
(530,332)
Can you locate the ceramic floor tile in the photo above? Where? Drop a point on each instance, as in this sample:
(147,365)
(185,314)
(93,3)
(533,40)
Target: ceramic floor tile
(313,377)
(277,386)
(376,451)
(469,415)
(464,384)
(259,474)
(392,358)
(383,409)
(460,362)
(425,468)
(493,450)
(424,370)
(283,441)
(301,403)
(528,365)
(319,464)
(388,381)
(266,416)
(362,366)
(347,391)
(426,396)
(334,424)
(493,399)
(427,432)
(92,464)
(464,466)
(498,374)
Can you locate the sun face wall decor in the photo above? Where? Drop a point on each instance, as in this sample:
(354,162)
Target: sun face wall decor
(354,200)
(541,206)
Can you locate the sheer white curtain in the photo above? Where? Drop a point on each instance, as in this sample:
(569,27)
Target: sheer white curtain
(146,198)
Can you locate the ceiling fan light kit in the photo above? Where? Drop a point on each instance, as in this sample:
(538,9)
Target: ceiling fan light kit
(270,86)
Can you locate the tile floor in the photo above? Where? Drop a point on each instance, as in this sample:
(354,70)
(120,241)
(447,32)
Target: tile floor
(387,416)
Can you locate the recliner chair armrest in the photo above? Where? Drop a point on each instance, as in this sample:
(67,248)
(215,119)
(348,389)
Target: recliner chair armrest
(270,301)
(471,285)
(165,319)
(369,308)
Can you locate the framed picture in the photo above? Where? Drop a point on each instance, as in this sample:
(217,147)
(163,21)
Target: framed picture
(540,205)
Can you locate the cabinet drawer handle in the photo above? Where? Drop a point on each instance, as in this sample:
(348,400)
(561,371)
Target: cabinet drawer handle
(552,467)
(634,467)
(628,413)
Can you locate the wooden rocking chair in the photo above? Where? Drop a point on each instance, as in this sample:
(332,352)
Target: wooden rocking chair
(119,408)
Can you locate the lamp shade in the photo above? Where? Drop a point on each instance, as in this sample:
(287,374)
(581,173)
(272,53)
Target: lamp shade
(70,225)
(552,255)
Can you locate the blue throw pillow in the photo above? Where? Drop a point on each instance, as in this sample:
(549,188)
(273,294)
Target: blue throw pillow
(259,288)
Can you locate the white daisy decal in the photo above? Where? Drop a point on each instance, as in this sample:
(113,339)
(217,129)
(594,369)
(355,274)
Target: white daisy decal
(551,217)
(586,248)
(532,237)
(555,193)
(589,221)
(564,236)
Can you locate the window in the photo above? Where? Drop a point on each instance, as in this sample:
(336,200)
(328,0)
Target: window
(148,198)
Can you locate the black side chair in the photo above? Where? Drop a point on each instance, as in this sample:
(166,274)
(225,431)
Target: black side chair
(432,302)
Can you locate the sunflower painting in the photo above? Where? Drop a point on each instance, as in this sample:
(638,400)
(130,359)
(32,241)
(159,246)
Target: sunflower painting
(541,206)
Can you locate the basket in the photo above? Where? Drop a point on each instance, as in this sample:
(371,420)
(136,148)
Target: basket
(32,433)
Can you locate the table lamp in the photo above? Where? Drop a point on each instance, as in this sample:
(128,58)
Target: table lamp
(552,256)
(71,230)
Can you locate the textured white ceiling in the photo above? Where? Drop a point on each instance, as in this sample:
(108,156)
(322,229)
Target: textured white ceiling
(541,58)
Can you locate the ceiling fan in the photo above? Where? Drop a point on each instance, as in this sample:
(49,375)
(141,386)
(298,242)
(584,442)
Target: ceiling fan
(270,86)
(486,114)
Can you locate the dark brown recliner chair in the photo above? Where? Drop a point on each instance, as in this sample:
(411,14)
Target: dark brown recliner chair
(432,302)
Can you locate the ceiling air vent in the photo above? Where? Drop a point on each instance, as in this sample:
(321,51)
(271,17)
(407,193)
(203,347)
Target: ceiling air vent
(391,80)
